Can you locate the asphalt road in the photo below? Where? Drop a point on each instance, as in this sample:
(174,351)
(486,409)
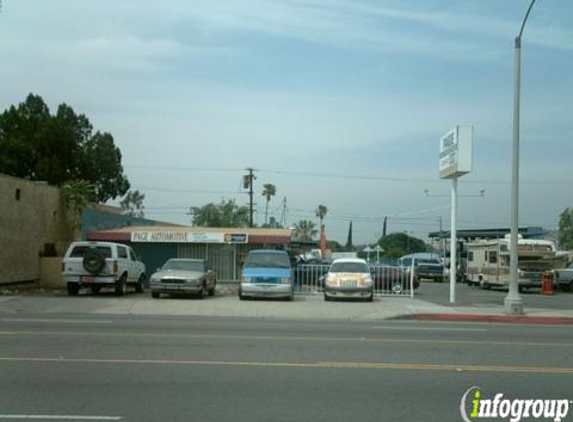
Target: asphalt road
(150,368)
(438,293)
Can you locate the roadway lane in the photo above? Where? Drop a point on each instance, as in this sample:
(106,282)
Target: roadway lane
(192,369)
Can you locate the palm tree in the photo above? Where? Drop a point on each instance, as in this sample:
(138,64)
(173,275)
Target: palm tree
(269,191)
(77,194)
(321,213)
(305,230)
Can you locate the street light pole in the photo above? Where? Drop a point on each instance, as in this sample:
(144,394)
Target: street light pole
(513,300)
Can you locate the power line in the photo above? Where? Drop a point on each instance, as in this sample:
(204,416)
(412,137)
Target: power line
(343,176)
(174,168)
(201,191)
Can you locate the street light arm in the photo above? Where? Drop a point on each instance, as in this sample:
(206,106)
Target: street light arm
(518,39)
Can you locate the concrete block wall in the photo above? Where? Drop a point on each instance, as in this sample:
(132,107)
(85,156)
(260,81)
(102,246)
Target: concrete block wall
(33,224)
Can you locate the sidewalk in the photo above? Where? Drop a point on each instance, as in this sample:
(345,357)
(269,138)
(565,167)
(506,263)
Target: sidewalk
(311,307)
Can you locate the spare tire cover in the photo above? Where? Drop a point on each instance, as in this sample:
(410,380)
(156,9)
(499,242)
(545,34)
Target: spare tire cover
(94,262)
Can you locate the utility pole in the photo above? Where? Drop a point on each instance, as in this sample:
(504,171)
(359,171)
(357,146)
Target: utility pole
(193,214)
(248,184)
(442,239)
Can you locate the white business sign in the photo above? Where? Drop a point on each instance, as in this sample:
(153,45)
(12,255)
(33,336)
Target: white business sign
(456,152)
(176,237)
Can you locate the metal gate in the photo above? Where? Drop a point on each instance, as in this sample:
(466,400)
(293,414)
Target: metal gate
(393,280)
(221,258)
(309,278)
(388,280)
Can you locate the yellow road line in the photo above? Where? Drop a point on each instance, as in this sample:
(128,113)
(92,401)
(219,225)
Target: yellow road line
(288,338)
(315,365)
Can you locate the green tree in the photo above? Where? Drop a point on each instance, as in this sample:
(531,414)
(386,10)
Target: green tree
(398,244)
(305,231)
(566,229)
(269,191)
(59,148)
(102,160)
(224,214)
(334,246)
(132,204)
(20,132)
(349,245)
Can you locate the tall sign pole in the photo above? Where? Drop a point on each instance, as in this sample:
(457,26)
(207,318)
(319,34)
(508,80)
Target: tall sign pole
(453,240)
(455,161)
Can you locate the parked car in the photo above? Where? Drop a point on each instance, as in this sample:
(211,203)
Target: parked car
(392,278)
(183,276)
(267,273)
(564,278)
(102,264)
(349,278)
(426,266)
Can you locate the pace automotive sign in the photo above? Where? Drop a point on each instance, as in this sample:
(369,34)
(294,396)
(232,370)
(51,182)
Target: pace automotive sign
(175,236)
(166,236)
(456,152)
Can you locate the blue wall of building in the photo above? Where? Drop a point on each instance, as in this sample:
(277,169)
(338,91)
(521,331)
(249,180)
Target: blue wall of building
(96,220)
(154,255)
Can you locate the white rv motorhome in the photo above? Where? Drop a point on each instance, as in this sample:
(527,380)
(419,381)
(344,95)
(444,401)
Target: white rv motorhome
(488,262)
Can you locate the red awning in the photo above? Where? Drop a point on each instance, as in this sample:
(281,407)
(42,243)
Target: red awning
(109,236)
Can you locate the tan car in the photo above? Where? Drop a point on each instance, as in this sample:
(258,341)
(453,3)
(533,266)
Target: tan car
(183,276)
(349,278)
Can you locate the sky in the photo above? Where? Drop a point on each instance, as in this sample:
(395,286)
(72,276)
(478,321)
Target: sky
(335,102)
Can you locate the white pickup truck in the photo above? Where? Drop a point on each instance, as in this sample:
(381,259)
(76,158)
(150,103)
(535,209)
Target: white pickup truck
(102,264)
(564,278)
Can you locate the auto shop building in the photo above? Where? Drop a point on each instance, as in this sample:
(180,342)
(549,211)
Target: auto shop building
(224,249)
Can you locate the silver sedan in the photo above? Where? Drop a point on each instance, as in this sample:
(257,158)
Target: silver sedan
(183,276)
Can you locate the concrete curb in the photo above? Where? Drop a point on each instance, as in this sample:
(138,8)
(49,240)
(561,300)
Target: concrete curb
(521,319)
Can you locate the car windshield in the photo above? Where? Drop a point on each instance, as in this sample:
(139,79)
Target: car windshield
(80,251)
(183,265)
(349,267)
(271,260)
(427,261)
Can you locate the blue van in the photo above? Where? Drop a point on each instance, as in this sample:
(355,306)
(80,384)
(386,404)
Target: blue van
(267,273)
